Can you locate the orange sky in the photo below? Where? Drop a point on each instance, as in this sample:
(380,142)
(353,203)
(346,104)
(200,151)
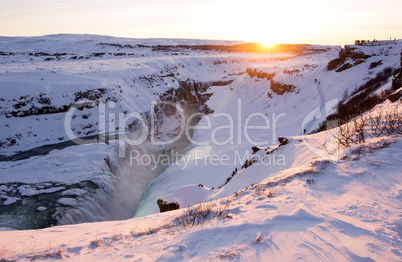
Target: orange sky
(293,21)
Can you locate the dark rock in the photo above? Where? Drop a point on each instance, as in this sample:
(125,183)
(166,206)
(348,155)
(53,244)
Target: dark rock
(282,140)
(165,206)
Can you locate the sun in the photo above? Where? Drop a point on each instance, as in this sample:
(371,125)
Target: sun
(272,35)
(270,22)
(267,42)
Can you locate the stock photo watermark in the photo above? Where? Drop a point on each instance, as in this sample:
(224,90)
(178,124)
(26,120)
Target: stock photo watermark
(219,129)
(199,157)
(236,128)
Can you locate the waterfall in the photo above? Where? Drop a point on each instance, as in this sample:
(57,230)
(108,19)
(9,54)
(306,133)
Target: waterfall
(123,182)
(119,190)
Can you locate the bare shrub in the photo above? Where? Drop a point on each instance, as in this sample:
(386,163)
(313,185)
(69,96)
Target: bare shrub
(374,121)
(221,209)
(198,214)
(391,122)
(380,122)
(359,125)
(344,134)
(203,212)
(385,121)
(192,216)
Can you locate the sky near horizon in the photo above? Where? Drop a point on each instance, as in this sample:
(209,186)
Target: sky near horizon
(336,22)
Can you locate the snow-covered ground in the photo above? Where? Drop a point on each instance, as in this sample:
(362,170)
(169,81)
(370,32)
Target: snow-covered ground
(349,211)
(282,201)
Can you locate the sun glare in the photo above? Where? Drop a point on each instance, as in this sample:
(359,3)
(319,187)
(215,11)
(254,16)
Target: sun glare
(269,38)
(267,43)
(271,23)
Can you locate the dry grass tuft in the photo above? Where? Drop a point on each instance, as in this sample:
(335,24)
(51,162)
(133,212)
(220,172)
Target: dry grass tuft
(96,243)
(258,239)
(228,255)
(51,253)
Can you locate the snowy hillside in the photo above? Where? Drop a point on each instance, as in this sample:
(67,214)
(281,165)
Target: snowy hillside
(246,103)
(350,210)
(237,131)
